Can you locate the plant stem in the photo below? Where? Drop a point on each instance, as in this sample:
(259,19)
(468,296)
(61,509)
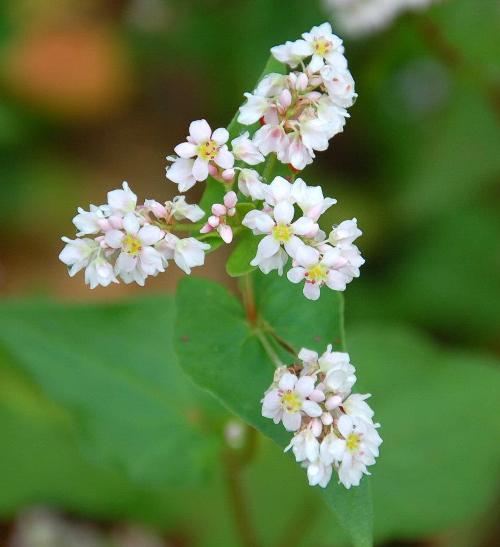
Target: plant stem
(269,349)
(268,169)
(247,292)
(234,465)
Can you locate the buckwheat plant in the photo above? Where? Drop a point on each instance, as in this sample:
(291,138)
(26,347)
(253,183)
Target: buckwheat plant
(255,200)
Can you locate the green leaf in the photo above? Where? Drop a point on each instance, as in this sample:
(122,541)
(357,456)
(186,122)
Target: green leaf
(114,368)
(245,250)
(221,349)
(440,426)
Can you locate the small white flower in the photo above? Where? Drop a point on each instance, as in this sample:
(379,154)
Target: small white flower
(90,222)
(304,445)
(138,258)
(246,150)
(356,450)
(187,252)
(279,190)
(323,46)
(122,201)
(345,233)
(356,407)
(310,199)
(318,473)
(317,270)
(87,253)
(250,184)
(340,373)
(279,229)
(183,210)
(254,108)
(196,154)
(339,84)
(290,401)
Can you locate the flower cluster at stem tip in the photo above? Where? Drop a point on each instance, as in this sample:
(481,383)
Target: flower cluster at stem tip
(288,118)
(333,429)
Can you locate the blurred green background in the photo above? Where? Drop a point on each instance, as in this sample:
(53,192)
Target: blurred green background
(95,92)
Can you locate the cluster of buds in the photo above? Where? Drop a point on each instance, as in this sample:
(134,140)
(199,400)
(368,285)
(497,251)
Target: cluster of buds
(333,428)
(123,240)
(317,260)
(218,219)
(301,111)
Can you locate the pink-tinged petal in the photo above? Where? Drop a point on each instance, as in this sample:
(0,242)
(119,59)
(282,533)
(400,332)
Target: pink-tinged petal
(186,150)
(305,386)
(317,396)
(287,381)
(200,131)
(312,409)
(307,256)
(131,223)
(181,172)
(230,200)
(218,209)
(283,212)
(220,136)
(226,233)
(224,158)
(304,226)
(272,399)
(336,281)
(345,425)
(308,356)
(149,235)
(259,222)
(334,401)
(296,275)
(205,229)
(311,291)
(114,238)
(268,247)
(292,421)
(200,169)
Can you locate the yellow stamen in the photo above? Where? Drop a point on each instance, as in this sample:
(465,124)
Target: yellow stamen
(322,46)
(291,401)
(352,442)
(317,273)
(131,244)
(282,233)
(208,150)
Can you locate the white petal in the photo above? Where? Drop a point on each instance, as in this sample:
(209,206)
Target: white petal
(220,136)
(312,409)
(287,381)
(185,150)
(311,291)
(307,256)
(268,247)
(283,212)
(296,275)
(114,238)
(200,131)
(131,223)
(304,226)
(200,169)
(291,421)
(305,386)
(345,425)
(149,235)
(224,158)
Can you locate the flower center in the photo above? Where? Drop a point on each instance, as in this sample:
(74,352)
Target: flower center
(282,233)
(208,150)
(322,46)
(291,401)
(317,274)
(352,442)
(131,244)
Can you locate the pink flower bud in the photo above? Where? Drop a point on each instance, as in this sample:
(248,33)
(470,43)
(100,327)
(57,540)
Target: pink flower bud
(226,233)
(218,209)
(285,98)
(206,229)
(333,402)
(212,170)
(116,222)
(104,224)
(213,221)
(228,175)
(316,427)
(317,396)
(230,200)
(231,212)
(301,83)
(159,210)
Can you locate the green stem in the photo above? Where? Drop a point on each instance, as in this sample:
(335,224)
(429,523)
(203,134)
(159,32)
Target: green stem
(269,166)
(269,349)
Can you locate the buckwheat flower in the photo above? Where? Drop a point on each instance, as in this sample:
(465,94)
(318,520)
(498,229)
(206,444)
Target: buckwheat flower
(122,201)
(201,149)
(279,230)
(87,253)
(340,373)
(318,473)
(310,199)
(138,258)
(291,53)
(340,85)
(90,222)
(356,407)
(344,235)
(317,270)
(250,184)
(353,261)
(289,401)
(305,445)
(182,210)
(279,190)
(356,450)
(244,149)
(187,252)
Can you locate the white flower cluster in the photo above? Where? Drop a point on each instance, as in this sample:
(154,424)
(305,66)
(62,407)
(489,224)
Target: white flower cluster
(301,111)
(131,242)
(317,260)
(333,428)
(359,17)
